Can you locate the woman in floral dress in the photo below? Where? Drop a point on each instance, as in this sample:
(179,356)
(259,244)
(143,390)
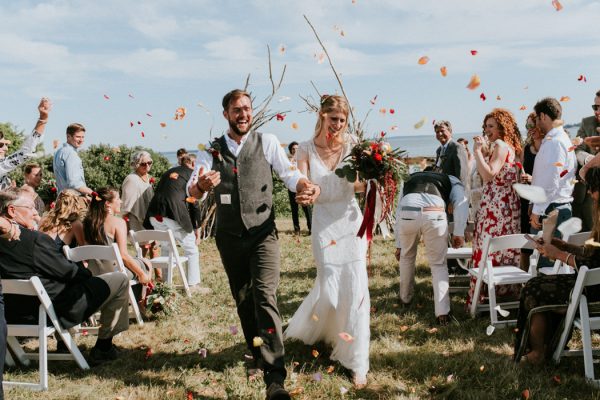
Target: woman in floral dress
(500,209)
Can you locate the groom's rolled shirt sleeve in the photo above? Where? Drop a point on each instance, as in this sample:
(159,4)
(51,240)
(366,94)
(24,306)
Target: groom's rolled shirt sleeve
(276,156)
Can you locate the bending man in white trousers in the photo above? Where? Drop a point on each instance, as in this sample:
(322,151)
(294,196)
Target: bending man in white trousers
(422,212)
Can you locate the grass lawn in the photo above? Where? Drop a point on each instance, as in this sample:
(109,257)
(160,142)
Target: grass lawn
(409,359)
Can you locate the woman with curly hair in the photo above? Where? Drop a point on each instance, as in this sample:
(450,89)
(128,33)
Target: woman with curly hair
(63,222)
(500,209)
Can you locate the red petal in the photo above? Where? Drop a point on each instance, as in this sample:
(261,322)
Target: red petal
(106,97)
(473,52)
(563,173)
(143,134)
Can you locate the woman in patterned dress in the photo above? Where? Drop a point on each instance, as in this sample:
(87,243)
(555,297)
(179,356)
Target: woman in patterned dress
(500,208)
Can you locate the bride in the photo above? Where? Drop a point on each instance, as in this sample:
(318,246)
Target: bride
(337,308)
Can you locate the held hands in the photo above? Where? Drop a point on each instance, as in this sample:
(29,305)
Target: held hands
(307,192)
(534,221)
(525,178)
(144,279)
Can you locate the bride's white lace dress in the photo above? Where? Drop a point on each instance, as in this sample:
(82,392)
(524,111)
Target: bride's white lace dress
(339,302)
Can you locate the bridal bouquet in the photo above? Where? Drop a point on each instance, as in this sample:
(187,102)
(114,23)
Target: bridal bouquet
(375,161)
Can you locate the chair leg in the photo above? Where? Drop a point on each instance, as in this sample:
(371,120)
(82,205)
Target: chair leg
(475,297)
(586,338)
(134,306)
(73,349)
(16,348)
(186,286)
(9,360)
(492,303)
(43,358)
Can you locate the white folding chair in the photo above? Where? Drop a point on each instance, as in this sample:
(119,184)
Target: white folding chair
(108,253)
(500,275)
(560,267)
(34,287)
(168,263)
(584,322)
(463,257)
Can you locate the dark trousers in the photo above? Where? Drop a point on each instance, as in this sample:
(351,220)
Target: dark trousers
(295,216)
(3,331)
(252,266)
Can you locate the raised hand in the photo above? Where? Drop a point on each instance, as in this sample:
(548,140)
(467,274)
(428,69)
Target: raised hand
(44,108)
(207,181)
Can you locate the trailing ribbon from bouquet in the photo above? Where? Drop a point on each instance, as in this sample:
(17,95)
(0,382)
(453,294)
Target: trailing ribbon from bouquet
(368,222)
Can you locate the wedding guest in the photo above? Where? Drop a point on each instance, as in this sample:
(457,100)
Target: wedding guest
(180,153)
(292,147)
(532,146)
(27,150)
(102,227)
(240,173)
(63,223)
(551,293)
(169,209)
(589,127)
(137,191)
(74,292)
(554,168)
(421,212)
(500,208)
(340,296)
(32,173)
(470,158)
(451,157)
(67,166)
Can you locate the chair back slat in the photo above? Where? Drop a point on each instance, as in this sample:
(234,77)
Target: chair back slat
(579,238)
(18,286)
(517,241)
(592,277)
(149,236)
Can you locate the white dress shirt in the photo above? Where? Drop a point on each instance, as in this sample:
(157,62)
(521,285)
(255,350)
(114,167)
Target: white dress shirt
(552,159)
(274,154)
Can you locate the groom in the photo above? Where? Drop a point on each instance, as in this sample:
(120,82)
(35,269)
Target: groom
(238,167)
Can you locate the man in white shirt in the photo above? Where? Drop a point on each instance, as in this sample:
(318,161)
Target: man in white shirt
(238,168)
(555,165)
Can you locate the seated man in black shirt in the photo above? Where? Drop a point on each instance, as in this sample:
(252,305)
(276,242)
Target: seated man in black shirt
(75,293)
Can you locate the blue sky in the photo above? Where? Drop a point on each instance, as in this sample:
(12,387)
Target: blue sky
(173,53)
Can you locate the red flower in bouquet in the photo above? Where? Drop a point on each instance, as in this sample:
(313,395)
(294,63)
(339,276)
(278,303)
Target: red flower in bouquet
(378,157)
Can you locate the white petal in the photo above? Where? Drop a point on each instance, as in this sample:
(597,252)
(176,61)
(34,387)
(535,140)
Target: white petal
(502,312)
(490,329)
(570,226)
(534,194)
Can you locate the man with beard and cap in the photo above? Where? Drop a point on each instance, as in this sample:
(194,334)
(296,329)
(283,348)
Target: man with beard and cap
(237,166)
(582,201)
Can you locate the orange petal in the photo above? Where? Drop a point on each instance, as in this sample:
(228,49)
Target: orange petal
(295,125)
(474,82)
(404,328)
(432,330)
(423,60)
(556,4)
(525,394)
(163,124)
(444,71)
(314,317)
(482,368)
(565,98)
(282,49)
(330,369)
(346,337)
(314,353)
(523,108)
(190,199)
(174,175)
(558,164)
(382,110)
(296,391)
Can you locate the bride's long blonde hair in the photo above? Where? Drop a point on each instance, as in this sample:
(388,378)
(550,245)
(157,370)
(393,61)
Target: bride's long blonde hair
(331,104)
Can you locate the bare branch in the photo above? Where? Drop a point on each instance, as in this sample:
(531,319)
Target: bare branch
(334,72)
(247,83)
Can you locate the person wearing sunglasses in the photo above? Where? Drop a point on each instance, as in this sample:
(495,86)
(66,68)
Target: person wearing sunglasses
(590,127)
(137,190)
(27,150)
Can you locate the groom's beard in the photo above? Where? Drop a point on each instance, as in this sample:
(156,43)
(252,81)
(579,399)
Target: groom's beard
(234,128)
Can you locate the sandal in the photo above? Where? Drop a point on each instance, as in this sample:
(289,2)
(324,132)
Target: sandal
(443,320)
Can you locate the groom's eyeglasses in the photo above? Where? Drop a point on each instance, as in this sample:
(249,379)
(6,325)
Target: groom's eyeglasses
(595,107)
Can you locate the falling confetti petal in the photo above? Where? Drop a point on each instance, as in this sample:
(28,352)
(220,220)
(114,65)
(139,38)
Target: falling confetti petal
(556,4)
(283,98)
(106,158)
(582,78)
(421,122)
(482,96)
(143,135)
(295,125)
(282,49)
(315,318)
(203,353)
(149,353)
(525,394)
(315,353)
(482,368)
(534,194)
(563,173)
(404,328)
(139,122)
(432,330)
(523,108)
(558,164)
(330,369)
(174,175)
(346,337)
(163,124)
(570,226)
(320,58)
(343,390)
(148,114)
(502,312)
(473,52)
(317,377)
(257,341)
(296,391)
(423,60)
(271,331)
(444,71)
(130,95)
(55,143)
(392,111)
(131,124)
(180,113)
(490,329)
(498,98)
(201,147)
(190,395)
(106,97)
(474,82)
(565,98)
(393,127)
(556,379)
(190,199)
(373,100)
(280,117)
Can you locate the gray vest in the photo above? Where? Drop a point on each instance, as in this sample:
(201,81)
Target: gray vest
(248,181)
